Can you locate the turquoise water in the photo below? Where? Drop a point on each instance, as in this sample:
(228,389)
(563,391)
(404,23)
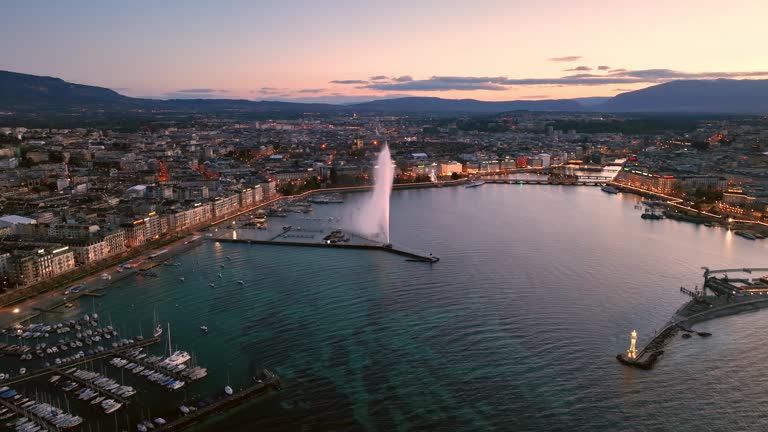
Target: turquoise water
(516,328)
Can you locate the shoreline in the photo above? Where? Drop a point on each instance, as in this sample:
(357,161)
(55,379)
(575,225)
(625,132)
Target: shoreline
(30,304)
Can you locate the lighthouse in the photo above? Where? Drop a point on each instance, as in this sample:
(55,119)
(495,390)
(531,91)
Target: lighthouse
(632,352)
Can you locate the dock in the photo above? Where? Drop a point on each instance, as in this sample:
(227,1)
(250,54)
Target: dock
(268,380)
(13,350)
(106,353)
(154,366)
(85,383)
(30,415)
(409,255)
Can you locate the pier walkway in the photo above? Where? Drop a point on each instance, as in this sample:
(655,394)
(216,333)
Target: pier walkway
(414,256)
(154,366)
(90,385)
(43,423)
(268,381)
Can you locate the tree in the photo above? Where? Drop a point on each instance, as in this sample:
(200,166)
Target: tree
(454,176)
(333,176)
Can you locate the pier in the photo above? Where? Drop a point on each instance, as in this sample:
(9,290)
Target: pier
(154,366)
(409,255)
(106,353)
(30,415)
(88,384)
(268,380)
(718,297)
(13,350)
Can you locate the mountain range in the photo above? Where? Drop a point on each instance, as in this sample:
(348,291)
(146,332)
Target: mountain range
(22,93)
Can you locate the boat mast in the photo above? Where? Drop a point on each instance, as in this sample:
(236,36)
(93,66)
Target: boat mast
(169,340)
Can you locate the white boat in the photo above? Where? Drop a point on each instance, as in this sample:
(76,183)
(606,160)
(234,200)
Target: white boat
(176,358)
(181,279)
(228,390)
(212,285)
(474,184)
(106,276)
(158,331)
(241,282)
(111,407)
(204,329)
(609,189)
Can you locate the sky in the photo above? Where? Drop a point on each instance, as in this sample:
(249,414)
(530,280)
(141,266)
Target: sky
(345,51)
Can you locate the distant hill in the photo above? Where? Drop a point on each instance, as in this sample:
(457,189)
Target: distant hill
(695,96)
(33,95)
(438,105)
(30,92)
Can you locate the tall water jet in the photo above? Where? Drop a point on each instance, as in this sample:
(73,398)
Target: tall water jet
(371,219)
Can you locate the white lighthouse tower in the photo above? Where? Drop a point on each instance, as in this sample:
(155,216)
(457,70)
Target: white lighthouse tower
(632,352)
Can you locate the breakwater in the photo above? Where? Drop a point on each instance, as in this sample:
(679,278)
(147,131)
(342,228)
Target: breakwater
(385,248)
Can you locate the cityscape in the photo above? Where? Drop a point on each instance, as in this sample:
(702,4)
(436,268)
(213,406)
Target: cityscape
(331,248)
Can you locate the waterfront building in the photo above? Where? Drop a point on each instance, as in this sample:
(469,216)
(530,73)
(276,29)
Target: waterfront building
(26,267)
(448,168)
(142,231)
(90,250)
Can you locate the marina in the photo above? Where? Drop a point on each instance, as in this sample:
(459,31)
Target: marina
(84,379)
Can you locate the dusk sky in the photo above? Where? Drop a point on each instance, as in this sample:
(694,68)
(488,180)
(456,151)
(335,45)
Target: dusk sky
(338,50)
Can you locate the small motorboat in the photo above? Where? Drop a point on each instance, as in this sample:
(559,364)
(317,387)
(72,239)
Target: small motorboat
(241,282)
(204,329)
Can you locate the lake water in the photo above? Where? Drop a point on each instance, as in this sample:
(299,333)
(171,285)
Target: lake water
(516,328)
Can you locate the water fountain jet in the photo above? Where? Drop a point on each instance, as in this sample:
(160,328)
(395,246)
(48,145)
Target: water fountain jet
(371,219)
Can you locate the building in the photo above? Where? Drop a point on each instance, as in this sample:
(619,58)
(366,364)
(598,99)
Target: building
(142,231)
(226,206)
(197,214)
(26,267)
(90,250)
(692,183)
(72,231)
(448,168)
(666,184)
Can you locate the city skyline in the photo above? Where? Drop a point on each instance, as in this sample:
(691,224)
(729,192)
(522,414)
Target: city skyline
(347,51)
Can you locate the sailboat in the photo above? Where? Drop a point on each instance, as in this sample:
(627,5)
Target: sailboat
(158,328)
(227,389)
